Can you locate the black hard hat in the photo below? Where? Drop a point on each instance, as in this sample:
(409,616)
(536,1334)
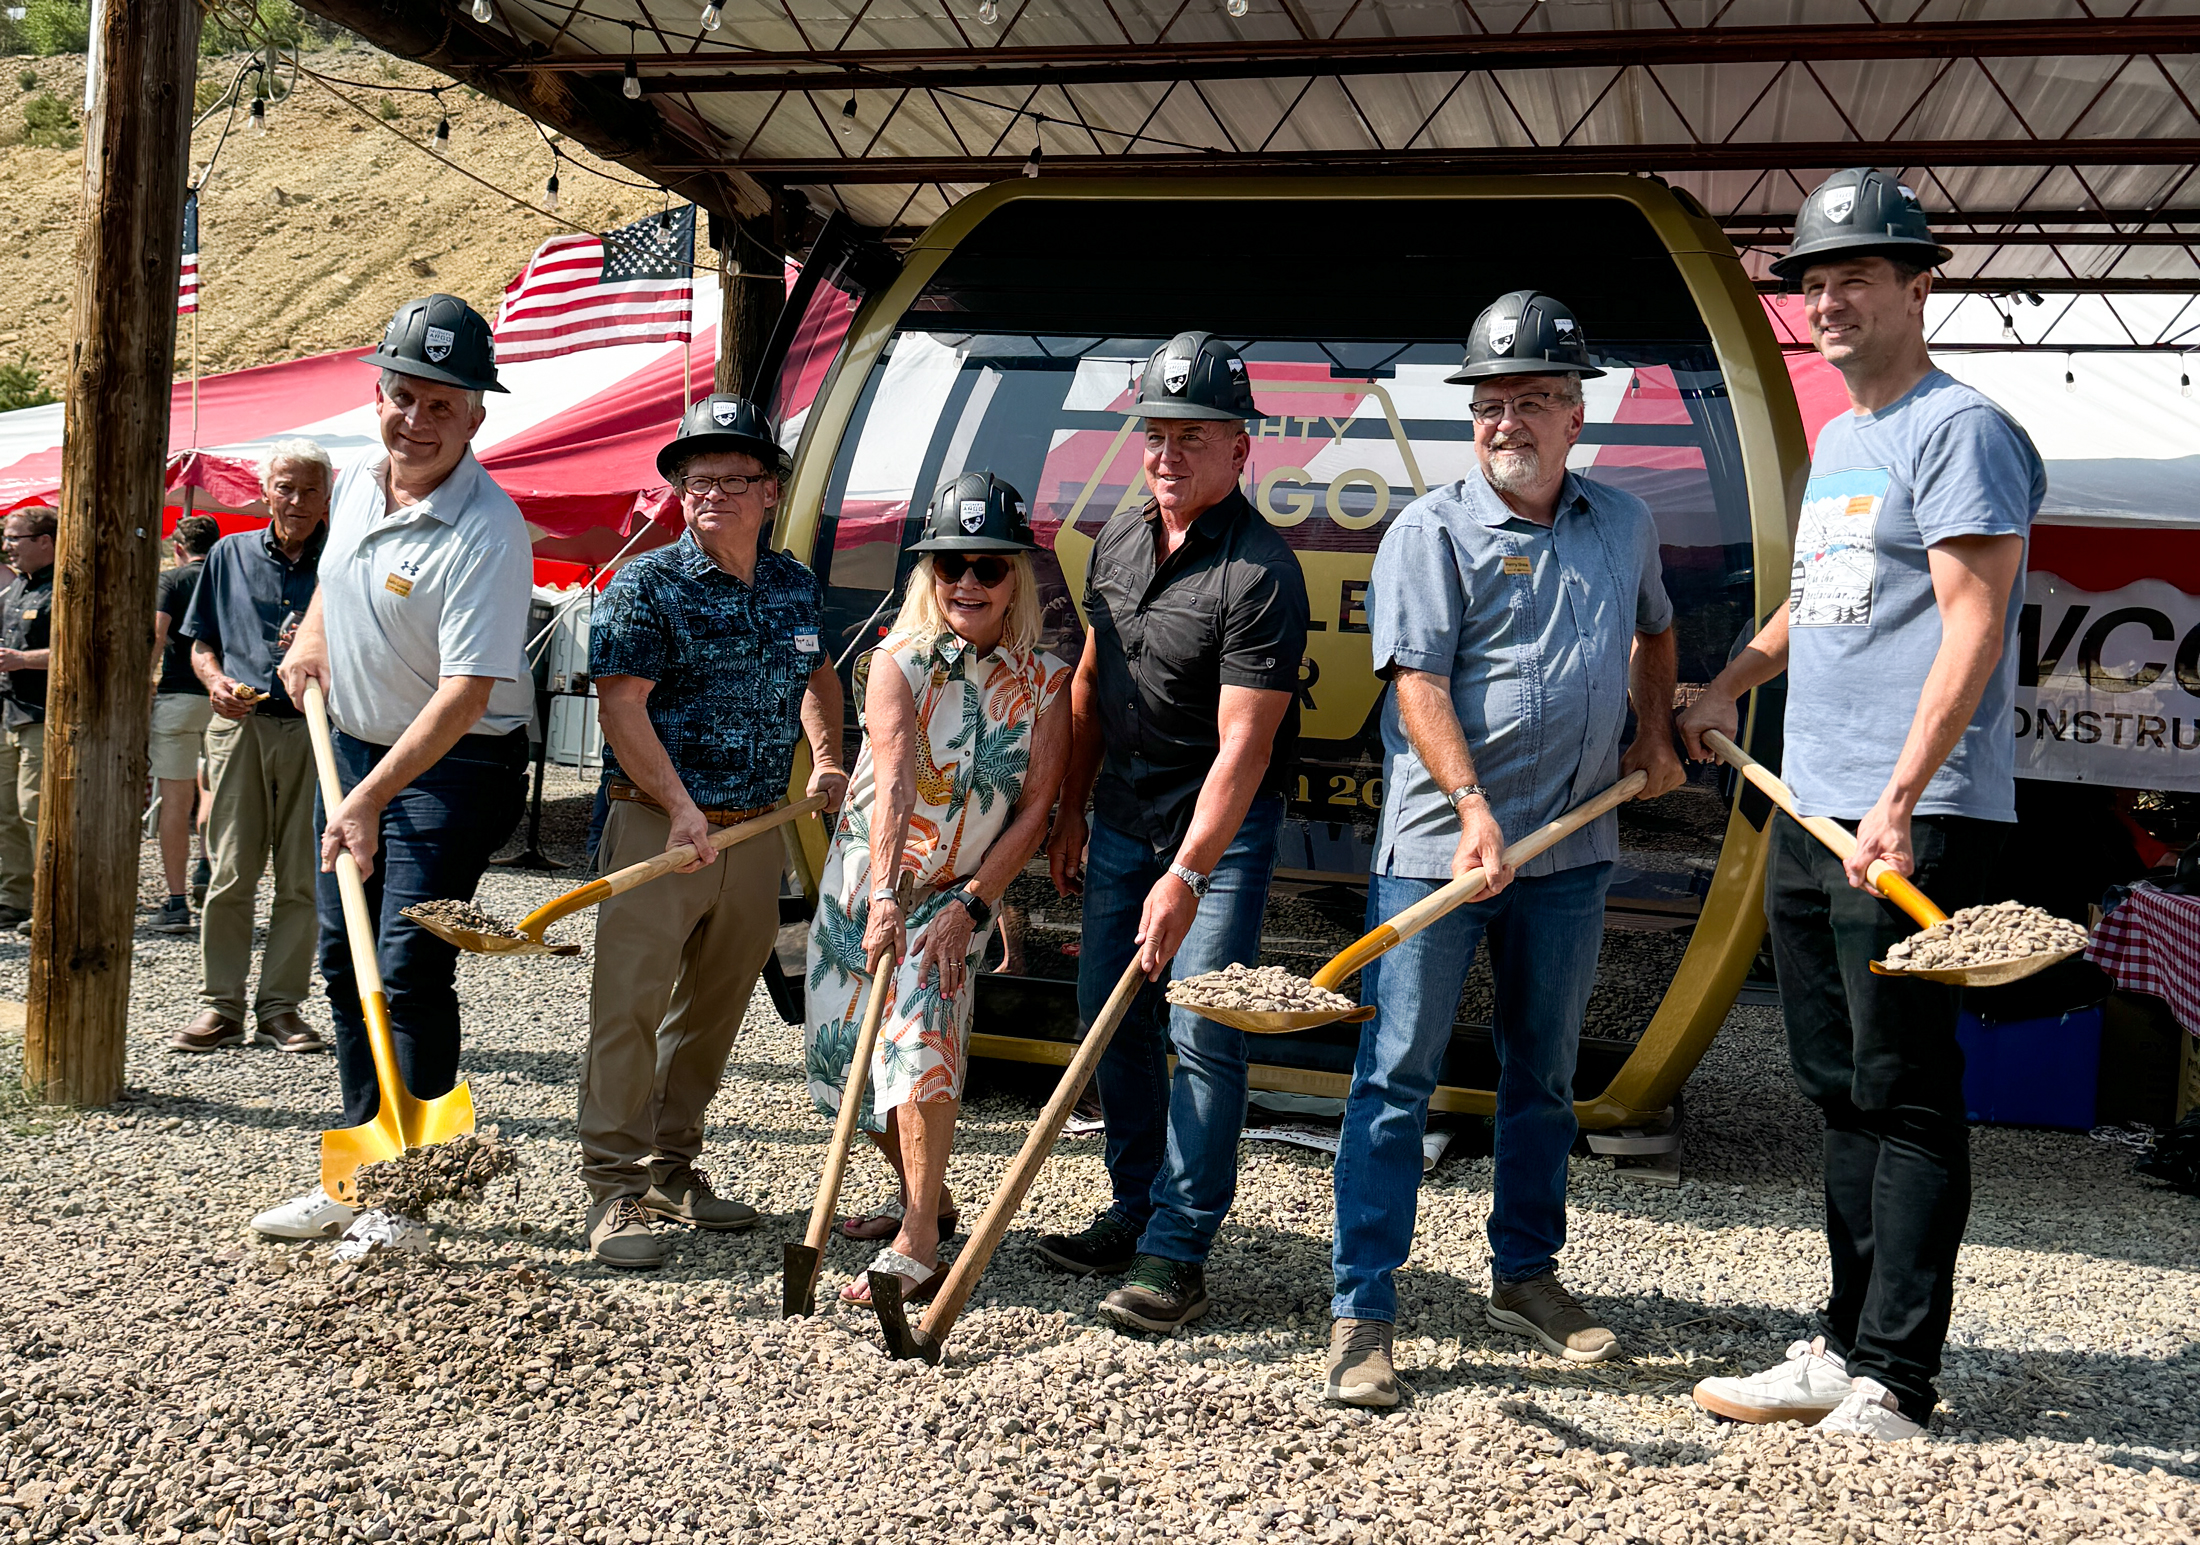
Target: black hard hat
(1195,375)
(1525,333)
(722,422)
(976,513)
(1860,212)
(439,338)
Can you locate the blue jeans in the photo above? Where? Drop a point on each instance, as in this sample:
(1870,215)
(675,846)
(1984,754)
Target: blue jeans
(1172,1149)
(1543,934)
(437,835)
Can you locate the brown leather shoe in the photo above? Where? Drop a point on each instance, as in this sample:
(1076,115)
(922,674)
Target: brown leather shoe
(211,1031)
(287,1032)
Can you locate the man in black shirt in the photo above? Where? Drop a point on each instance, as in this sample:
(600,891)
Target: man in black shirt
(1184,722)
(26,627)
(180,714)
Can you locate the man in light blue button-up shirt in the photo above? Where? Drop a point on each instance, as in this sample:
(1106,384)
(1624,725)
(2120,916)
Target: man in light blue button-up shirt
(1513,612)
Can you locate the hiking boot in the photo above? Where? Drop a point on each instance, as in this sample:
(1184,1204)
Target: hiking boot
(1869,1411)
(1360,1371)
(619,1235)
(1805,1388)
(1108,1247)
(174,916)
(285,1031)
(211,1031)
(202,875)
(684,1195)
(1158,1294)
(1541,1307)
(315,1215)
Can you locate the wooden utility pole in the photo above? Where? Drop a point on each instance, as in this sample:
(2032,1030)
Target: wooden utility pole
(752,290)
(113,462)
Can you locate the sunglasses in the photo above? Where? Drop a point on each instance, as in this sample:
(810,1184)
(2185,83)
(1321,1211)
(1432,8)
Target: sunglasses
(990,570)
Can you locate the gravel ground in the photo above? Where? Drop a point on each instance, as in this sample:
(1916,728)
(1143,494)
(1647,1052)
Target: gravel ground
(166,1376)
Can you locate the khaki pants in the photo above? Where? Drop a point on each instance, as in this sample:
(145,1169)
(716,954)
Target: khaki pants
(261,772)
(22,764)
(676,961)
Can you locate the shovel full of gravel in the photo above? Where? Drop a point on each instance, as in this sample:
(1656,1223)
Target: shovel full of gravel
(1978,947)
(400,1121)
(1268,1000)
(471,929)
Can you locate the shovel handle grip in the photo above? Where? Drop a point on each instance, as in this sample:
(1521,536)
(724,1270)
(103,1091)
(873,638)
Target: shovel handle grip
(350,885)
(1388,936)
(1888,880)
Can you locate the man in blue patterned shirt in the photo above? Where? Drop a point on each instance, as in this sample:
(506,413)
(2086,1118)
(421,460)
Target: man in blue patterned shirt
(708,669)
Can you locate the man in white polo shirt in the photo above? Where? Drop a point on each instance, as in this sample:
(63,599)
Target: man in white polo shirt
(418,634)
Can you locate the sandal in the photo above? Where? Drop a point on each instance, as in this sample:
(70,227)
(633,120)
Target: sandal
(891,1211)
(928,1279)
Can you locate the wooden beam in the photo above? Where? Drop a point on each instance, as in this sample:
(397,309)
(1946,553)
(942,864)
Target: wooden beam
(752,291)
(107,556)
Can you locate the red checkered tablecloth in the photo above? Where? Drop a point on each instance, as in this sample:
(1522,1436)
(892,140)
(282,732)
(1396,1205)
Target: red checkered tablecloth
(2152,944)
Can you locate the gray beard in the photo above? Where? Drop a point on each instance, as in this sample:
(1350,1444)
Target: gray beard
(1515,470)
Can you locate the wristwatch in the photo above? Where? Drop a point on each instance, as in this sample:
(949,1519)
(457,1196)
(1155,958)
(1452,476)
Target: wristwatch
(1194,881)
(981,912)
(1466,789)
(884,893)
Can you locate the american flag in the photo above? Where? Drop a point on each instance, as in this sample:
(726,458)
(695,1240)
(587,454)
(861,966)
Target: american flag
(187,285)
(632,285)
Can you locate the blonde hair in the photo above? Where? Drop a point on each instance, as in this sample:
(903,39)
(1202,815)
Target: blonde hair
(923,619)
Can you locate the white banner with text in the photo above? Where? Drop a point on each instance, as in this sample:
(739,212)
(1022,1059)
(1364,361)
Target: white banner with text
(2108,685)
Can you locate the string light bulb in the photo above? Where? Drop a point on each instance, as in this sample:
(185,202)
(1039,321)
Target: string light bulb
(631,86)
(1237,7)
(710,18)
(2008,326)
(484,12)
(259,115)
(1038,149)
(442,136)
(2184,382)
(550,193)
(848,115)
(1031,162)
(988,12)
(2070,379)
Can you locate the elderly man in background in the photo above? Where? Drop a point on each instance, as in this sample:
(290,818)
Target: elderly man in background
(180,715)
(709,673)
(254,593)
(1513,612)
(1184,724)
(418,634)
(26,628)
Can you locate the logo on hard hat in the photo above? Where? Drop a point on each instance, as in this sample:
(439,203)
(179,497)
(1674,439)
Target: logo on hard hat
(1564,327)
(725,413)
(973,515)
(1838,204)
(1237,367)
(1174,373)
(438,343)
(1501,342)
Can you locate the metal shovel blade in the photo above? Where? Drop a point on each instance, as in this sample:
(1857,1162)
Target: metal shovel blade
(1993,973)
(903,1340)
(477,943)
(798,1269)
(1282,1021)
(428,1122)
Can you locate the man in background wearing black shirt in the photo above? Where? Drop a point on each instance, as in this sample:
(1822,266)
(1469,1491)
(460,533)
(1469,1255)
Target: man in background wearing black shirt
(26,628)
(180,715)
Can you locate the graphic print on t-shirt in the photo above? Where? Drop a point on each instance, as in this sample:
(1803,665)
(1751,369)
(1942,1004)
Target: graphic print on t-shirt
(1837,548)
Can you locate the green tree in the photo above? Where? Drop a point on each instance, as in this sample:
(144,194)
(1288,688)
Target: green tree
(278,21)
(47,121)
(21,386)
(57,26)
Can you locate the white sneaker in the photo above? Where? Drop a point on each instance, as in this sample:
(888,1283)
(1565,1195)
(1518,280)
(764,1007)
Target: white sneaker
(379,1230)
(1870,1412)
(315,1215)
(1805,1388)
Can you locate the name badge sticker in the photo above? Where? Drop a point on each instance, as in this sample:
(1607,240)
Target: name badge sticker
(398,584)
(805,643)
(1519,565)
(31,615)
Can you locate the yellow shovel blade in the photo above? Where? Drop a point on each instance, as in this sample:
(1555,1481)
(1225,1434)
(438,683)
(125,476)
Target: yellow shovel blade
(345,1149)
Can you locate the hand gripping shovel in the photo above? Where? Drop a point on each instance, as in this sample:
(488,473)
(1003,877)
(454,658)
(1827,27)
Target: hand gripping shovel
(401,1122)
(617,883)
(801,1261)
(1889,881)
(925,1340)
(1388,936)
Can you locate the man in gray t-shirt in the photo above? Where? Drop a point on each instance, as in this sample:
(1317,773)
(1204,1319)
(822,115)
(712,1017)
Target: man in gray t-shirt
(1897,641)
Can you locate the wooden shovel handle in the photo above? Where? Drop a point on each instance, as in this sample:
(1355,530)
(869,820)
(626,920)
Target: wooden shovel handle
(619,882)
(985,1238)
(350,885)
(1388,936)
(1890,881)
(827,1201)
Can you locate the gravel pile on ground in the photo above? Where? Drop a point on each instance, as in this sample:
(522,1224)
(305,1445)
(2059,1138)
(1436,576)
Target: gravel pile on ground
(1260,990)
(456,1171)
(167,1377)
(463,914)
(1979,936)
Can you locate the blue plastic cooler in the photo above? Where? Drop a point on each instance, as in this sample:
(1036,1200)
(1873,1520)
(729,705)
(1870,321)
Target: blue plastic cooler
(2032,1072)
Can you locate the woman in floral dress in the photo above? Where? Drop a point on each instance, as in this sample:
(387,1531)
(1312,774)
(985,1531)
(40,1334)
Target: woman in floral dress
(966,731)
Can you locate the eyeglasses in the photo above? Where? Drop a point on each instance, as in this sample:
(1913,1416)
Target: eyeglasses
(733,487)
(990,570)
(1528,405)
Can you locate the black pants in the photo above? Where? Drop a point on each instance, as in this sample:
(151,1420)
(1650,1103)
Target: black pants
(1878,1056)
